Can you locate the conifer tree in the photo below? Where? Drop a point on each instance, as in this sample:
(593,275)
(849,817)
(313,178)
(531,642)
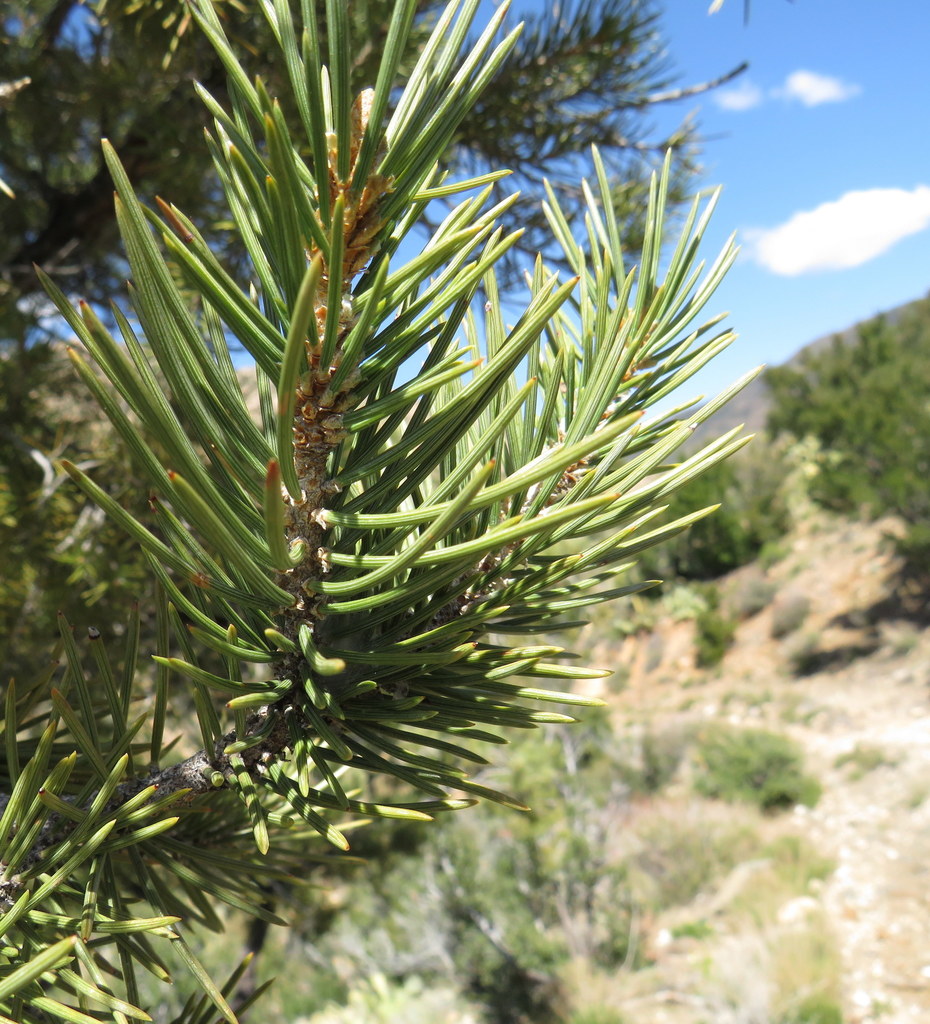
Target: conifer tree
(581,72)
(352,583)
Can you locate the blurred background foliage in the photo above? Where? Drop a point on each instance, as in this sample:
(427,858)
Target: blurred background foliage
(866,402)
(60,553)
(537,918)
(754,512)
(583,72)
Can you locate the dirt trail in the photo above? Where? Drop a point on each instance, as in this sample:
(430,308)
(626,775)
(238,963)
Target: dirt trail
(877,827)
(861,711)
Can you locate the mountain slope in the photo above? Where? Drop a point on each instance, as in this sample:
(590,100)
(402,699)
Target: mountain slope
(751,406)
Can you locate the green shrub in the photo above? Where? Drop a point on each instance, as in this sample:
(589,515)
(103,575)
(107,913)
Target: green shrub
(662,753)
(865,403)
(755,766)
(788,614)
(685,850)
(804,654)
(753,513)
(913,548)
(816,1009)
(693,930)
(495,904)
(715,632)
(656,759)
(797,863)
(753,596)
(380,1000)
(598,1015)
(862,759)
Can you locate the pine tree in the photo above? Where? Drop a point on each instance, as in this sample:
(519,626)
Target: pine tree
(338,576)
(582,72)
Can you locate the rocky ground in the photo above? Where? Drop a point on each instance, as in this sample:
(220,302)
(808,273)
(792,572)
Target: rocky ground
(846,675)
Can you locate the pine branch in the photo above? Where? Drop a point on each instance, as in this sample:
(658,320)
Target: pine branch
(336,579)
(673,95)
(202,772)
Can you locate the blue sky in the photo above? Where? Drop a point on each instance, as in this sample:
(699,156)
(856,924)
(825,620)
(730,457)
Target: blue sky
(823,153)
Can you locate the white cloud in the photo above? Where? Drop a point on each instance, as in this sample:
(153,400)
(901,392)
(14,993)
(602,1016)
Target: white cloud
(743,96)
(807,87)
(812,89)
(847,232)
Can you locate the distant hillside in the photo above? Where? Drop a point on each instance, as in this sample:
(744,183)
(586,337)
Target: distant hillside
(751,405)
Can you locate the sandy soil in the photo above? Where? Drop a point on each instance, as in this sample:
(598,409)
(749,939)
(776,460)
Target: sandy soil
(862,714)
